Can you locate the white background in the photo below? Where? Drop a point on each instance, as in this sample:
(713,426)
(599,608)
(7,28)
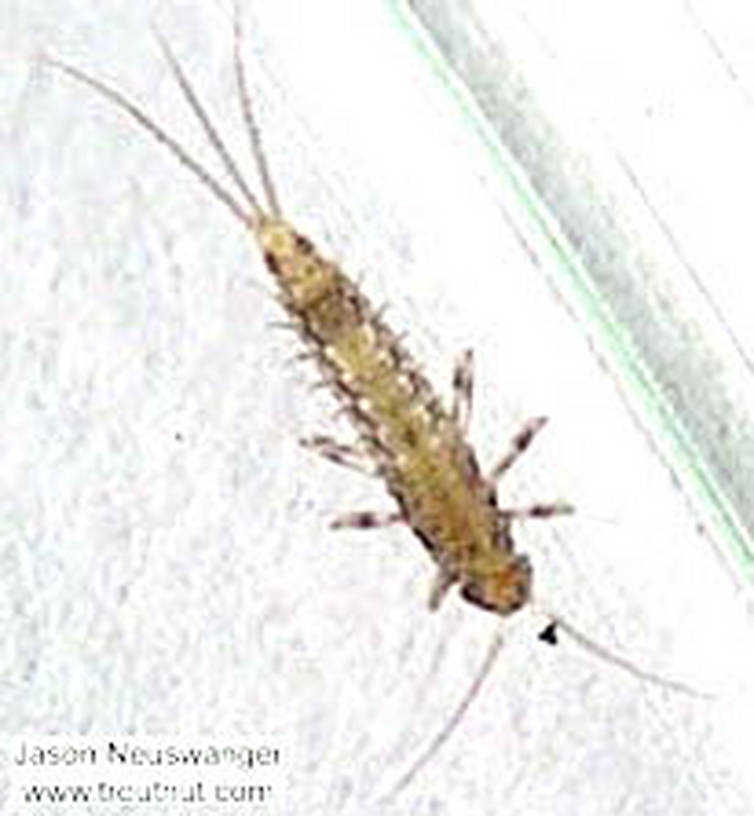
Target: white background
(166,562)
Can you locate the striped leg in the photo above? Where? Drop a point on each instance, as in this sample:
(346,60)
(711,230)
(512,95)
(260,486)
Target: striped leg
(341,454)
(518,445)
(366,520)
(463,389)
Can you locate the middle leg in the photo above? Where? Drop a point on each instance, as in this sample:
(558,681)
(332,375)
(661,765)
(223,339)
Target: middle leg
(518,445)
(366,520)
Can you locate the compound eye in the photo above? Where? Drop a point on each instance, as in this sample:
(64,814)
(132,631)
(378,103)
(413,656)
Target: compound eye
(504,591)
(520,584)
(474,593)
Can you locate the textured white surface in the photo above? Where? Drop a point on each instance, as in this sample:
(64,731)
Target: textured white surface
(166,565)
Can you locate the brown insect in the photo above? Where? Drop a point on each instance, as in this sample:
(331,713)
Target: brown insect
(406,436)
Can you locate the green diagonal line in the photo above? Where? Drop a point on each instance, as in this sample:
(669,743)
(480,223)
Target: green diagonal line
(613,343)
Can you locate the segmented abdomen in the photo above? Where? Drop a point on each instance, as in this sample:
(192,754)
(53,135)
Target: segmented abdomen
(427,465)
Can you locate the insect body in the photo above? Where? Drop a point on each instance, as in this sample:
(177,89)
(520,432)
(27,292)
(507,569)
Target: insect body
(418,447)
(406,435)
(415,445)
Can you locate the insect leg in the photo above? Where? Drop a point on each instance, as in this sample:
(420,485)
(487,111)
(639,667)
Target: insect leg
(339,453)
(366,519)
(539,511)
(440,586)
(518,445)
(463,388)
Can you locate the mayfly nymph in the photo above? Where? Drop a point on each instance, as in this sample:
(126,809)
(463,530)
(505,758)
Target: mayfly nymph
(405,433)
(406,436)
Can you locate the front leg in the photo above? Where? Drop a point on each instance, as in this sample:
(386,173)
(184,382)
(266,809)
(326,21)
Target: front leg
(442,583)
(538,511)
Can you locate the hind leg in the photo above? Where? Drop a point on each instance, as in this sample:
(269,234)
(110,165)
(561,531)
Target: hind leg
(341,454)
(463,390)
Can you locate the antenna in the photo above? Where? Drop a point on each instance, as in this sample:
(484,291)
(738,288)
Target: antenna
(549,635)
(444,734)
